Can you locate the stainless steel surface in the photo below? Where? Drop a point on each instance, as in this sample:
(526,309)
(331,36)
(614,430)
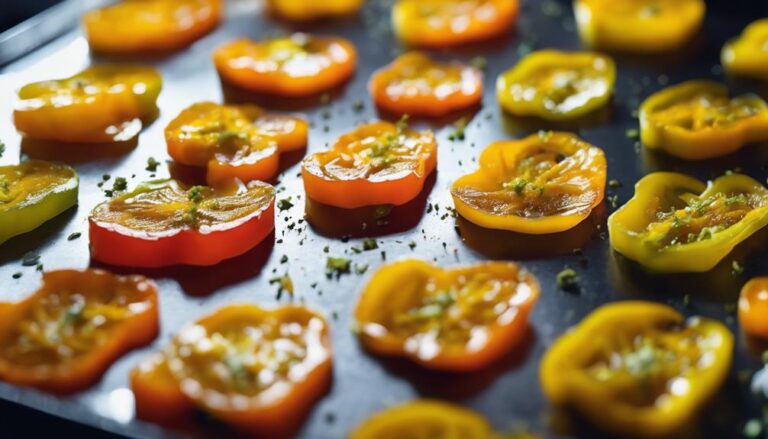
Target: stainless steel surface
(508,392)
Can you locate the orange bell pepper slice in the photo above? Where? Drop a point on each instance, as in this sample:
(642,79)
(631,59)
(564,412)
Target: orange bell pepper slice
(457,319)
(294,66)
(416,85)
(425,419)
(62,338)
(639,26)
(440,23)
(137,26)
(257,370)
(303,10)
(377,163)
(753,307)
(233,142)
(162,223)
(546,183)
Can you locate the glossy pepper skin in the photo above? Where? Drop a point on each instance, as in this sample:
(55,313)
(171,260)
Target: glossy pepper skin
(638,368)
(65,336)
(377,163)
(101,104)
(424,418)
(162,223)
(555,85)
(747,55)
(698,120)
(546,183)
(753,307)
(441,23)
(294,66)
(32,193)
(233,142)
(308,10)
(139,26)
(638,26)
(457,319)
(416,85)
(261,372)
(676,223)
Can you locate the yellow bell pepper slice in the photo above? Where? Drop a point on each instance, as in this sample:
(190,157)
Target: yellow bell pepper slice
(638,368)
(422,419)
(32,193)
(698,120)
(556,85)
(546,183)
(676,223)
(639,26)
(308,10)
(747,55)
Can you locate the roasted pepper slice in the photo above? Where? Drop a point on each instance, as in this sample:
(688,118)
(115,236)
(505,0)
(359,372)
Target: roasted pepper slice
(32,193)
(640,26)
(638,368)
(64,337)
(162,223)
(557,85)
(457,319)
(439,23)
(424,419)
(747,55)
(697,120)
(101,104)
(676,223)
(546,183)
(377,163)
(753,307)
(298,65)
(306,10)
(138,26)
(416,85)
(233,141)
(258,370)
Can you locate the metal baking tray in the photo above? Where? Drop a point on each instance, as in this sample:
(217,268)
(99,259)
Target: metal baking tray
(507,393)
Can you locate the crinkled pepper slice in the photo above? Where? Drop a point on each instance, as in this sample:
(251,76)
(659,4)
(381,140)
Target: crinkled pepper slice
(101,104)
(293,66)
(546,183)
(303,10)
(698,120)
(456,319)
(440,23)
(638,368)
(138,26)
(753,307)
(556,85)
(377,163)
(424,419)
(258,370)
(233,142)
(676,223)
(640,26)
(162,223)
(64,337)
(32,193)
(747,55)
(416,85)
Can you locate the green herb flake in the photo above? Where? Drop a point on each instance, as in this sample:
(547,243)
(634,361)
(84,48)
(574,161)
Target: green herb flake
(284,204)
(459,128)
(120,184)
(633,133)
(736,268)
(284,283)
(195,194)
(30,259)
(370,244)
(73,236)
(568,280)
(337,266)
(152,164)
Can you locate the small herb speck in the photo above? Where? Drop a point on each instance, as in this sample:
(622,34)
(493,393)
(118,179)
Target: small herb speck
(73,236)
